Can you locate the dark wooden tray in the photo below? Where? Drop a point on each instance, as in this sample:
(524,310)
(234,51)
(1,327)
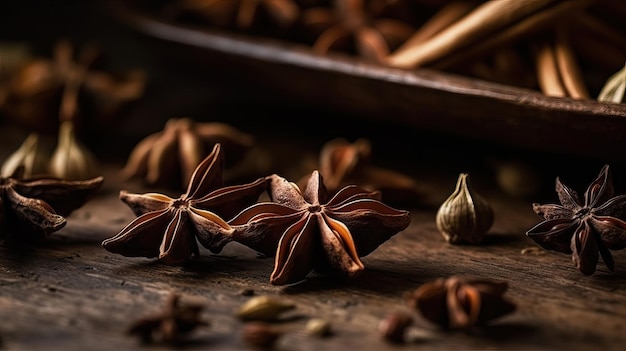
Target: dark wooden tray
(422,99)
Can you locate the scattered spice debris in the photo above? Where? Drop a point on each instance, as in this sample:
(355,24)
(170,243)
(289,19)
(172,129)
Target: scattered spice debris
(171,325)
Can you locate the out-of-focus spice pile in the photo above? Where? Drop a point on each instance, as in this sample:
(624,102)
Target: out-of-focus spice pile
(562,48)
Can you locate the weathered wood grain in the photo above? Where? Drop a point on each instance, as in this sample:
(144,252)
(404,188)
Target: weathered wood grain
(70,294)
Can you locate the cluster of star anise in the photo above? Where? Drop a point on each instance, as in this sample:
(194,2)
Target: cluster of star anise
(304,229)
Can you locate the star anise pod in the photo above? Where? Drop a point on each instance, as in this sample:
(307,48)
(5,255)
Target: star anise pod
(167,228)
(181,145)
(350,26)
(43,89)
(314,231)
(584,229)
(172,324)
(342,163)
(243,13)
(461,303)
(34,208)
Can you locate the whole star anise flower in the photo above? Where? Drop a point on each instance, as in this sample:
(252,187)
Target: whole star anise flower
(315,232)
(179,149)
(171,325)
(342,163)
(349,21)
(243,12)
(167,228)
(461,303)
(584,229)
(34,208)
(44,89)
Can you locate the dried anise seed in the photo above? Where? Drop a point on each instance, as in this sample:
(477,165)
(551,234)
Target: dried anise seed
(167,228)
(171,325)
(584,229)
(263,308)
(318,327)
(349,21)
(461,303)
(314,231)
(182,145)
(34,208)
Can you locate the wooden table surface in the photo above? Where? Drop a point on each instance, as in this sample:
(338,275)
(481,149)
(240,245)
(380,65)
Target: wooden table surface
(71,294)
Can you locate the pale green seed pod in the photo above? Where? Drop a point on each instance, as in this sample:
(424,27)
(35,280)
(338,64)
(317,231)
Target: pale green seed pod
(29,156)
(465,217)
(71,160)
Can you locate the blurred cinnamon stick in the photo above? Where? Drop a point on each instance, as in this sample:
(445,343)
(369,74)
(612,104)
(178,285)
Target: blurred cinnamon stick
(489,17)
(532,24)
(443,18)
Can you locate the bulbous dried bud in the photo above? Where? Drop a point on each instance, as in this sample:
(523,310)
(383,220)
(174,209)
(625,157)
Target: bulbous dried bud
(29,156)
(70,159)
(465,217)
(263,308)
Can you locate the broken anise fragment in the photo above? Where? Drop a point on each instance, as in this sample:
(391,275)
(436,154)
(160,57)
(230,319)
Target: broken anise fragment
(313,231)
(167,228)
(584,229)
(461,303)
(171,325)
(34,208)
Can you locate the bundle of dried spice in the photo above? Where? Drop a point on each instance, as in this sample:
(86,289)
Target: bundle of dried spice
(168,228)
(171,325)
(316,232)
(32,209)
(461,303)
(587,229)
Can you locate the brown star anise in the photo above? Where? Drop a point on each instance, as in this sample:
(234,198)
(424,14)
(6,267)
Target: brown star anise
(34,208)
(167,228)
(243,12)
(461,303)
(171,325)
(315,232)
(342,163)
(43,89)
(181,146)
(584,229)
(349,25)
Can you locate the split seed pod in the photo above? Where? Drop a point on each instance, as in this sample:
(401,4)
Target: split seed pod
(465,217)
